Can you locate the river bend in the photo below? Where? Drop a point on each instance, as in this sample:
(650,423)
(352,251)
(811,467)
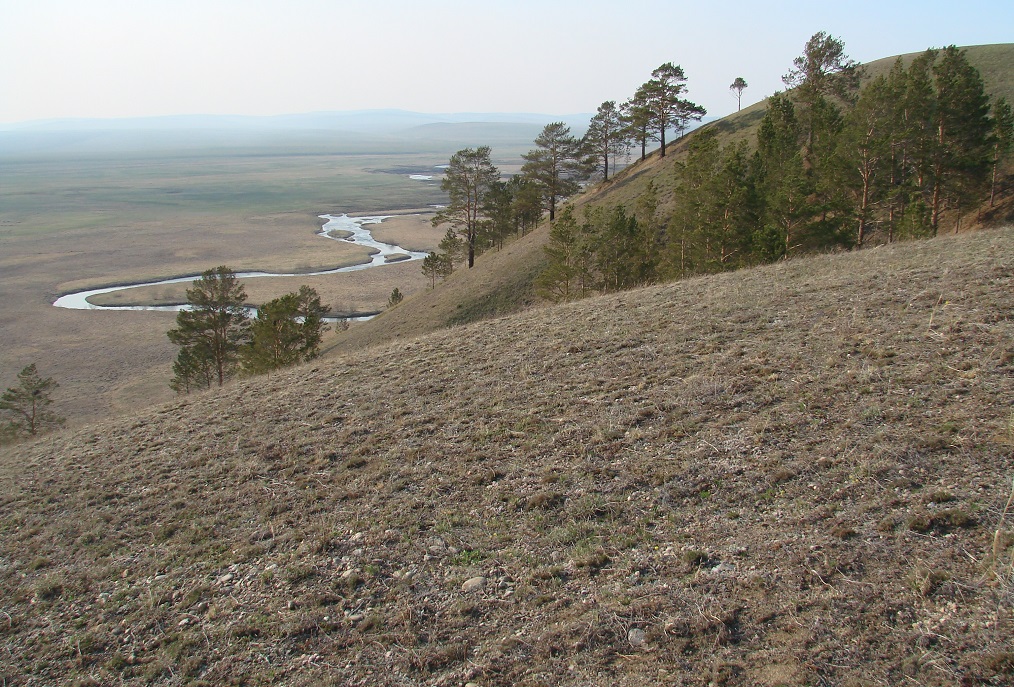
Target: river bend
(355,227)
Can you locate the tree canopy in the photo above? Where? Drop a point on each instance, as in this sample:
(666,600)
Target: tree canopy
(607,135)
(739,85)
(661,96)
(557,165)
(469,178)
(211,331)
(27,404)
(833,166)
(287,330)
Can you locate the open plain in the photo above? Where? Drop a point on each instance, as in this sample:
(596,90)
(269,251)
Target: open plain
(77,215)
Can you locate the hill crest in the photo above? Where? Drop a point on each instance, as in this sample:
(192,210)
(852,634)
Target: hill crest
(505,280)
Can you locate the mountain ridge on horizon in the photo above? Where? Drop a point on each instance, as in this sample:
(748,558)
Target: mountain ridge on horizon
(373,119)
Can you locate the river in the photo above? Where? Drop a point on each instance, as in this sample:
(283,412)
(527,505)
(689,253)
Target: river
(355,227)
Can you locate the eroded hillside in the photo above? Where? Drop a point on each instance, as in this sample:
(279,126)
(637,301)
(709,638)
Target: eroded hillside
(787,475)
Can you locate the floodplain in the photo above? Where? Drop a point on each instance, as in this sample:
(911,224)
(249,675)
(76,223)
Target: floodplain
(108,208)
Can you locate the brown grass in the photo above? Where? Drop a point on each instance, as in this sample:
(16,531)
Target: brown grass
(109,221)
(703,483)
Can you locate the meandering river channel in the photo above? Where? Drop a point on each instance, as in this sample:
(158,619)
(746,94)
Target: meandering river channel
(337,228)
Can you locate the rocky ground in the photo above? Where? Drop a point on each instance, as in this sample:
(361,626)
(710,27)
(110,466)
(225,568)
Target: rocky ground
(785,476)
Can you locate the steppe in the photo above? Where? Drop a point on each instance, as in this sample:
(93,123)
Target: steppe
(790,475)
(74,217)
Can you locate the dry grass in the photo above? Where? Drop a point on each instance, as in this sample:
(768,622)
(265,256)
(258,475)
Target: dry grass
(704,483)
(73,224)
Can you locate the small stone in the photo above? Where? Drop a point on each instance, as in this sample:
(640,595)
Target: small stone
(226,578)
(358,536)
(636,636)
(473,585)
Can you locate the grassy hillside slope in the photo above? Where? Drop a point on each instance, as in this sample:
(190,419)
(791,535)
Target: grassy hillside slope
(504,282)
(783,476)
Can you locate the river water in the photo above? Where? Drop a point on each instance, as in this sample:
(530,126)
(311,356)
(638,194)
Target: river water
(357,227)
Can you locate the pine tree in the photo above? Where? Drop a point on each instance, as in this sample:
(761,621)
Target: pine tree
(468,180)
(453,248)
(637,115)
(961,160)
(211,332)
(526,203)
(782,182)
(651,233)
(556,166)
(27,403)
(498,208)
(735,217)
(395,298)
(618,254)
(863,156)
(695,215)
(436,266)
(562,278)
(287,330)
(193,369)
(739,85)
(661,95)
(607,135)
(1003,140)
(824,70)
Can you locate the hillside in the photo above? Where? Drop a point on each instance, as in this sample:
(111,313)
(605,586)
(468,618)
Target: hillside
(782,476)
(504,284)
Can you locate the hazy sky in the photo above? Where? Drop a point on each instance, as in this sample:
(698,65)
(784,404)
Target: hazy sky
(123,58)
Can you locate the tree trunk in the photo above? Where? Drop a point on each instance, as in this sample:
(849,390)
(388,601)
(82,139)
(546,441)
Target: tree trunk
(935,217)
(864,203)
(992,185)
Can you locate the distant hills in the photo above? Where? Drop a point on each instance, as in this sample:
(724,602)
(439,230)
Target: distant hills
(352,131)
(374,121)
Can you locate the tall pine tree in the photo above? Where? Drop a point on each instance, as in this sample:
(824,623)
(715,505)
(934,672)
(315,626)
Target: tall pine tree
(211,331)
(468,180)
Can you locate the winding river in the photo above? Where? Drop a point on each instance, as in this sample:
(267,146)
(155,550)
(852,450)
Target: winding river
(337,228)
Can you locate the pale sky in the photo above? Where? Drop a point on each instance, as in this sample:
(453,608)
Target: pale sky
(127,58)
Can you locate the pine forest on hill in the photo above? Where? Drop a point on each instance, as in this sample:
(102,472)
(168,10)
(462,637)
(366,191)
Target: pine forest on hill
(836,164)
(782,178)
